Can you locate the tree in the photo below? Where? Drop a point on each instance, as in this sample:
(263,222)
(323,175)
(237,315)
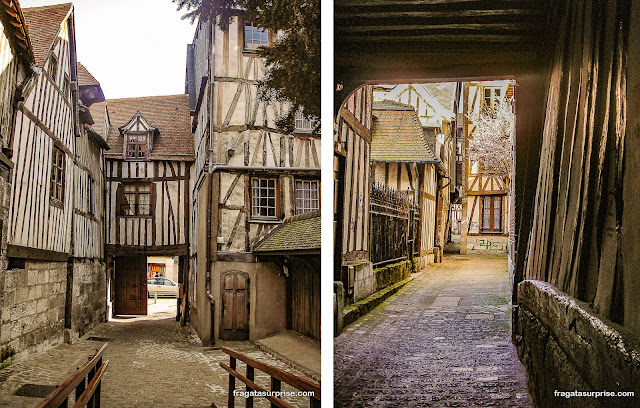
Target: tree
(293,62)
(491,144)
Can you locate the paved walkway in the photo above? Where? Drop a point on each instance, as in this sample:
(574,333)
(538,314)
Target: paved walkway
(153,362)
(444,341)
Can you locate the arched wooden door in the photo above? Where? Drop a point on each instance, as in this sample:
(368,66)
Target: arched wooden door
(235,306)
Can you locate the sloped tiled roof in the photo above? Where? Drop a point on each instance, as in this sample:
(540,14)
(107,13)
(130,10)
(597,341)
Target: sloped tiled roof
(169,114)
(44,24)
(397,134)
(85,77)
(298,233)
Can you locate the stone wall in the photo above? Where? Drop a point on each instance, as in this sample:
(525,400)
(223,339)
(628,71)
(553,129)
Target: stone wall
(89,304)
(33,307)
(394,273)
(487,244)
(565,346)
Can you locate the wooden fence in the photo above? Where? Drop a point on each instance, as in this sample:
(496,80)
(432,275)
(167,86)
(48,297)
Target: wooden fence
(86,381)
(278,376)
(395,221)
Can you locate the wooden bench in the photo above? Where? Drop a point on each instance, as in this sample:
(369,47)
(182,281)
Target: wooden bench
(278,376)
(86,381)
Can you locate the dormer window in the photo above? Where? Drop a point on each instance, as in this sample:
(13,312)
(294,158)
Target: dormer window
(136,145)
(137,138)
(254,37)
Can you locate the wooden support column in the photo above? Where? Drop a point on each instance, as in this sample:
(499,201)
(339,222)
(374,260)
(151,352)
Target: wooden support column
(630,231)
(530,103)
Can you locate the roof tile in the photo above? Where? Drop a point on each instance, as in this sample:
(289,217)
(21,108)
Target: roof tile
(397,134)
(298,233)
(169,114)
(44,23)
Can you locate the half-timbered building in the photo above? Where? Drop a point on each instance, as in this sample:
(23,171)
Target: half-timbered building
(56,269)
(147,191)
(486,202)
(436,105)
(351,166)
(247,177)
(402,161)
(16,56)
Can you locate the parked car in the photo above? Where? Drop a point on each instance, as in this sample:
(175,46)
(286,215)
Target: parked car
(162,286)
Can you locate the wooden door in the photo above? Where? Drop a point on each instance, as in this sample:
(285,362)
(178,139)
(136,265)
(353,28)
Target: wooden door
(303,286)
(131,285)
(235,306)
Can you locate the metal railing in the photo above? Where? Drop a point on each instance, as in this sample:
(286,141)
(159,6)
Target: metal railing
(278,376)
(86,382)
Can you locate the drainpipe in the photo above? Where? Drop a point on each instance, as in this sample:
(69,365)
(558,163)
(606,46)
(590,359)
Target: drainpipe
(207,283)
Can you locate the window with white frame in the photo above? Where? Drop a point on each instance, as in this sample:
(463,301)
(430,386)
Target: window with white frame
(307,196)
(263,198)
(255,37)
(304,124)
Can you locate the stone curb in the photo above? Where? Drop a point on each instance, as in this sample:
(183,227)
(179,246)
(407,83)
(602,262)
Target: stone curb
(355,311)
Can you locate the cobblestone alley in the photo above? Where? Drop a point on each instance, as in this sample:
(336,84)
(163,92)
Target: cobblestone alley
(153,362)
(443,340)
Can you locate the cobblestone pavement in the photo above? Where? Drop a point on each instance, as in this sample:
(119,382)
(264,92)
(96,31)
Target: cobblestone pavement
(444,341)
(153,362)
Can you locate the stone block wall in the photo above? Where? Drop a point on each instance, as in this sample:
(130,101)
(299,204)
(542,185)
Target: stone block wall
(565,346)
(394,273)
(364,282)
(33,306)
(89,302)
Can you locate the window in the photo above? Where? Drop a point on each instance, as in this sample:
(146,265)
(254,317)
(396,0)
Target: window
(57,174)
(263,198)
(52,69)
(254,37)
(66,88)
(304,124)
(491,96)
(136,145)
(91,185)
(491,214)
(135,199)
(307,196)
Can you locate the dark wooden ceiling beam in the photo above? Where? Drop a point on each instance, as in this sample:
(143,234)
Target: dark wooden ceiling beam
(457,27)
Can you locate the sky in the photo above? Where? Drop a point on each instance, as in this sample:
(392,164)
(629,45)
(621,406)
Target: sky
(133,47)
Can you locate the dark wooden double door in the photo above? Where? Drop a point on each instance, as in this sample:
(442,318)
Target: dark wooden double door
(131,285)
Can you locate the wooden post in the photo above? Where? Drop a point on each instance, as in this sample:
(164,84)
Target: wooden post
(276,385)
(250,376)
(232,384)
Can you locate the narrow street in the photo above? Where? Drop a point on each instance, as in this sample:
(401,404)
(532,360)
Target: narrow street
(153,362)
(443,340)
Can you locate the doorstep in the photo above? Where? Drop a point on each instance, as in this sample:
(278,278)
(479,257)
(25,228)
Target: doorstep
(295,350)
